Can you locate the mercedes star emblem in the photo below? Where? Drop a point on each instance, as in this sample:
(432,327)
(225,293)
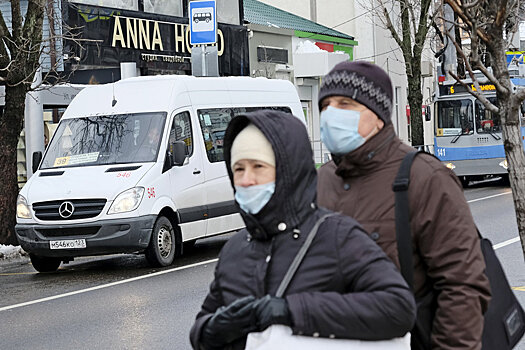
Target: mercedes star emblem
(66,209)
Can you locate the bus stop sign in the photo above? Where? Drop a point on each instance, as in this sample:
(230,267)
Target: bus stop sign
(203,22)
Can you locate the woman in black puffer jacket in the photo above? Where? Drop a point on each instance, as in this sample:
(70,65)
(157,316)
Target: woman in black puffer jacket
(345,287)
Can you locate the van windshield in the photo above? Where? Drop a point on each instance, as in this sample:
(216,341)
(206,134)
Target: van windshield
(101,140)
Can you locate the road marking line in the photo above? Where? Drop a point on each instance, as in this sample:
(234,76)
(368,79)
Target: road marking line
(10,307)
(507,242)
(521,289)
(480,199)
(17,273)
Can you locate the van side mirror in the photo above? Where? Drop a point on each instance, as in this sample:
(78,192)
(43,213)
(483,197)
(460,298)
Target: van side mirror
(178,153)
(428,117)
(37,157)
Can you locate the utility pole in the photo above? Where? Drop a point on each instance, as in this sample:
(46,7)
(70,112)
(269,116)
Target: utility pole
(450,55)
(313,10)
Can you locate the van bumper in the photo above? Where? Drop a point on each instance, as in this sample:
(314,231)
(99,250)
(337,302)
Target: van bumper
(102,237)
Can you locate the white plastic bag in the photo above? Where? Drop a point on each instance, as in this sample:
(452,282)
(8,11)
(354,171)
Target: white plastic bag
(279,337)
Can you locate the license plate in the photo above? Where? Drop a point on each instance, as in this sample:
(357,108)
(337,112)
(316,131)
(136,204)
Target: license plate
(68,244)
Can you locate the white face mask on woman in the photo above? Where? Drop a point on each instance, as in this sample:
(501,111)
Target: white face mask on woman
(339,130)
(252,199)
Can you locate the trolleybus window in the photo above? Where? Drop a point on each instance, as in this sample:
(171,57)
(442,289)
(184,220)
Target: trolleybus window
(454,118)
(486,121)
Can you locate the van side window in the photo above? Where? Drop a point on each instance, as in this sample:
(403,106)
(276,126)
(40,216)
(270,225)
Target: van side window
(181,131)
(213,124)
(240,110)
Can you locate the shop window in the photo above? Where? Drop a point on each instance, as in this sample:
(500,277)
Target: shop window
(163,7)
(119,4)
(272,55)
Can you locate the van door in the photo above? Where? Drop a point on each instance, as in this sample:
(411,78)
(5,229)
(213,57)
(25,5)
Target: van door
(222,212)
(187,180)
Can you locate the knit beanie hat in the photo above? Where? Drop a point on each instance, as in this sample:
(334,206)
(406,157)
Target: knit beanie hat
(363,82)
(250,143)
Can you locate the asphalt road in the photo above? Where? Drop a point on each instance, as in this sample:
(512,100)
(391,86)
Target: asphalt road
(118,302)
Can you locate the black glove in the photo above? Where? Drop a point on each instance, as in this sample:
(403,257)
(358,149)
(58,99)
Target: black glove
(272,310)
(229,323)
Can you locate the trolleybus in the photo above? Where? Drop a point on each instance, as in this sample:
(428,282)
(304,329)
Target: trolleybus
(468,137)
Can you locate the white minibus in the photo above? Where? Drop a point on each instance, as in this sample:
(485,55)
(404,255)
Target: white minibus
(137,166)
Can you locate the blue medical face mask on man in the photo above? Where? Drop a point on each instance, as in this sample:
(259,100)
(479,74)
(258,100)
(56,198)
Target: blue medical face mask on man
(339,130)
(252,199)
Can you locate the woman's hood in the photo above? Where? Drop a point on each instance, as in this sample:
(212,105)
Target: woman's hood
(295,174)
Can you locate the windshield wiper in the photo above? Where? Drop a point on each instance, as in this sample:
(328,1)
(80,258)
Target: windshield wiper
(494,135)
(454,140)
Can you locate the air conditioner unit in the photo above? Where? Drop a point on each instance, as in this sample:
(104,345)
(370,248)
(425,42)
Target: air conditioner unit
(427,70)
(283,68)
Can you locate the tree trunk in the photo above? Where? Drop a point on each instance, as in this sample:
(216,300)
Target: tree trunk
(512,138)
(11,124)
(516,163)
(415,100)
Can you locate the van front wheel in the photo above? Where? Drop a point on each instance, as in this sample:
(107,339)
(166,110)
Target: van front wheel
(44,264)
(161,248)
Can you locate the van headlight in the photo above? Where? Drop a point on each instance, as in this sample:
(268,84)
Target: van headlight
(22,209)
(504,164)
(127,201)
(450,166)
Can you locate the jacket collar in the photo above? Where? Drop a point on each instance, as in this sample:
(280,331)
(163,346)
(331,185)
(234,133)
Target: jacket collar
(368,157)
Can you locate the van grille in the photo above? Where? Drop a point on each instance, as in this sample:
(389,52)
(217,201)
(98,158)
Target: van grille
(69,231)
(83,209)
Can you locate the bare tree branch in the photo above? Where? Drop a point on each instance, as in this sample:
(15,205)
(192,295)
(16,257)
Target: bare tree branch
(390,26)
(16,19)
(457,9)
(479,65)
(472,4)
(520,95)
(414,23)
(4,31)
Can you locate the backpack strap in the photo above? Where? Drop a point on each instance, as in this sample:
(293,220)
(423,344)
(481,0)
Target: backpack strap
(403,234)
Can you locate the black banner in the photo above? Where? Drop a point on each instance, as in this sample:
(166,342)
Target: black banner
(158,44)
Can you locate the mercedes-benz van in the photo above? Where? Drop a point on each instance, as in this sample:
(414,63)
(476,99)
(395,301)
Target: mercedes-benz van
(138,166)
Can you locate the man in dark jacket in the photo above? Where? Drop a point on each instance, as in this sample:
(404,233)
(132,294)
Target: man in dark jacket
(345,287)
(356,102)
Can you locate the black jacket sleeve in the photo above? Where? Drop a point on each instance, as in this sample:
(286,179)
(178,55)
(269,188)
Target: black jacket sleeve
(377,304)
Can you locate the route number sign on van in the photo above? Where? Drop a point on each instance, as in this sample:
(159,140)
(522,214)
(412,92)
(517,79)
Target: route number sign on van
(203,22)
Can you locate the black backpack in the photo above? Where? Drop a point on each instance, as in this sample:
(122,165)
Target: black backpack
(504,320)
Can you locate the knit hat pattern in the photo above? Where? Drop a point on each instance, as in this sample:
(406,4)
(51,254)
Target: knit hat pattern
(250,143)
(363,82)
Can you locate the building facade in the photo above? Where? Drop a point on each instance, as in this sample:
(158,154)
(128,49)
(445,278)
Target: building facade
(100,41)
(375,45)
(286,46)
